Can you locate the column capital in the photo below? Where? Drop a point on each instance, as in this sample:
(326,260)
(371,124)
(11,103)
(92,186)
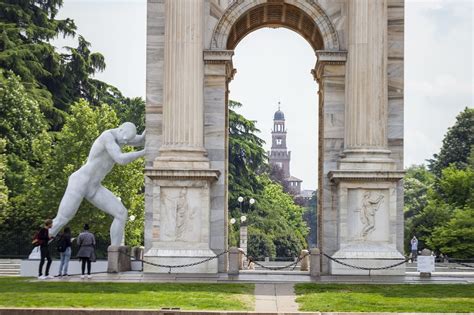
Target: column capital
(218,56)
(223,58)
(327,57)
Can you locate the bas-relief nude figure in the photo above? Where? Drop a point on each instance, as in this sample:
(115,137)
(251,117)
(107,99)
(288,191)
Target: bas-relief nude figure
(178,217)
(86,181)
(367,213)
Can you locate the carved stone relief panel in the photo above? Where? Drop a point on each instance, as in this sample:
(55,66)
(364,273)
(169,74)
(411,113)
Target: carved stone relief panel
(368,215)
(180,214)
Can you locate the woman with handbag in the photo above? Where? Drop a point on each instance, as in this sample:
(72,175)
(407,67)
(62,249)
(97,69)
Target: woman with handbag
(86,253)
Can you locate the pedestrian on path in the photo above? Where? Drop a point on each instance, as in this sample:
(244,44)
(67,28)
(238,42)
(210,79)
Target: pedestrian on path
(86,253)
(42,239)
(414,248)
(64,249)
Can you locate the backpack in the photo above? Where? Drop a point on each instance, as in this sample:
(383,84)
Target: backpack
(61,246)
(35,240)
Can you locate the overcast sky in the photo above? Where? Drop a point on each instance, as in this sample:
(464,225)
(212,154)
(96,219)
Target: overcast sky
(274,65)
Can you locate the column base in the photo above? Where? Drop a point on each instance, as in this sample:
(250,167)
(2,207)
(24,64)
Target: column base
(369,256)
(366,159)
(180,257)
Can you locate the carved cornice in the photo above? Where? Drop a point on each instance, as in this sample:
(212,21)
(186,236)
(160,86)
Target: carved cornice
(355,175)
(182,174)
(326,57)
(218,56)
(221,57)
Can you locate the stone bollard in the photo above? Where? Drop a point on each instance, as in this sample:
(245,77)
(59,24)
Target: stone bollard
(140,253)
(425,263)
(241,259)
(137,252)
(234,261)
(117,260)
(305,261)
(315,262)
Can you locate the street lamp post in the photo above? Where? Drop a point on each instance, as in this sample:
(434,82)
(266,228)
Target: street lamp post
(243,223)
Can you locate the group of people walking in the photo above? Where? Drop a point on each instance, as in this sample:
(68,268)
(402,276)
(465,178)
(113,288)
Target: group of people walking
(86,252)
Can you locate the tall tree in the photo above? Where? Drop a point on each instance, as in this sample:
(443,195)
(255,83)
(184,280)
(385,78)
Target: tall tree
(26,28)
(21,124)
(457,144)
(55,79)
(247,157)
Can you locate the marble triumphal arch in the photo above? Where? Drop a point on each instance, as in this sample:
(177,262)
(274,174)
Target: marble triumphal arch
(359,71)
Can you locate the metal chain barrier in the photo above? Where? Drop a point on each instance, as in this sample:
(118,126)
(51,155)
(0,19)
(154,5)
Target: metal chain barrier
(278,268)
(460,263)
(366,268)
(176,266)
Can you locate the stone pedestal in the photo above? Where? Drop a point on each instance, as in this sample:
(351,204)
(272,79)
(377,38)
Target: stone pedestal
(305,261)
(367,222)
(234,261)
(315,262)
(119,259)
(181,232)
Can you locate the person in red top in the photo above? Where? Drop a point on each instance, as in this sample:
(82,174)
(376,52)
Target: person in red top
(43,240)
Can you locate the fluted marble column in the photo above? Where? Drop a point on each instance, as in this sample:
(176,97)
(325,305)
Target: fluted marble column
(183,77)
(366,83)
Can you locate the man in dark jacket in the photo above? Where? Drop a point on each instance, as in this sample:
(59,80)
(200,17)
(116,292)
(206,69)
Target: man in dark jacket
(43,240)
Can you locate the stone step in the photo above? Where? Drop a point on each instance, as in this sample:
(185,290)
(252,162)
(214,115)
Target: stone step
(9,261)
(9,272)
(9,266)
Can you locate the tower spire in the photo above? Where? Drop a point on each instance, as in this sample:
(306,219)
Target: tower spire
(279,105)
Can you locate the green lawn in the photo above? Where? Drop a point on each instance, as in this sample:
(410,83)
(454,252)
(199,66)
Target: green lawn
(21,292)
(436,298)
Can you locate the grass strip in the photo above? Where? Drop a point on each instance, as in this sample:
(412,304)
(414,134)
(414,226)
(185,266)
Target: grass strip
(21,292)
(434,298)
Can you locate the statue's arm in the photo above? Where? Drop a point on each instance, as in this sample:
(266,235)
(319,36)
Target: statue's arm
(117,155)
(138,141)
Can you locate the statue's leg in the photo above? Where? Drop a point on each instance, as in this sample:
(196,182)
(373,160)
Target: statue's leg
(67,209)
(105,200)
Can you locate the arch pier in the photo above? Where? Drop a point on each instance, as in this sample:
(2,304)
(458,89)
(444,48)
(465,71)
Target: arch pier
(359,76)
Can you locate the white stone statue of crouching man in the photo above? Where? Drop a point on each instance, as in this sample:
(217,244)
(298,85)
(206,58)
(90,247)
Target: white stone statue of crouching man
(86,181)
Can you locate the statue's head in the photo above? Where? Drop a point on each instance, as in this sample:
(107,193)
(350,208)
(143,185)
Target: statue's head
(126,132)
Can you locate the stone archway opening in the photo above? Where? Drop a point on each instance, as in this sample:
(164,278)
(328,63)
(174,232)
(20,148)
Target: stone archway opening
(279,61)
(307,19)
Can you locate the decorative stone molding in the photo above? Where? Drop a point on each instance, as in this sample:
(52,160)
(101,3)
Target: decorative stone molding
(239,8)
(218,56)
(351,176)
(211,175)
(221,57)
(324,58)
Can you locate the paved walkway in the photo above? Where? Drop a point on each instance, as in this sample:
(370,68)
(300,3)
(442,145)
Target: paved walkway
(275,297)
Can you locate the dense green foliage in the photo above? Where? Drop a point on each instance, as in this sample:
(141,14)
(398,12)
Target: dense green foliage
(399,298)
(457,144)
(20,292)
(56,80)
(439,204)
(3,168)
(51,110)
(276,226)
